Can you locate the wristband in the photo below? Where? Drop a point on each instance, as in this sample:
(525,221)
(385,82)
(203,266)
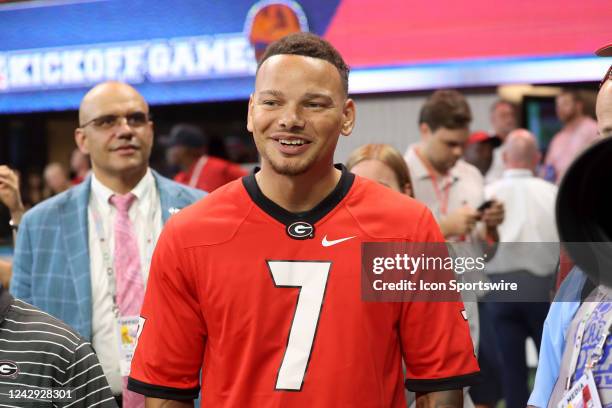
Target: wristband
(14,227)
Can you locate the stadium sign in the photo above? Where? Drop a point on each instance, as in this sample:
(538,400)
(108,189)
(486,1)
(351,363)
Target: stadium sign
(174,59)
(154,61)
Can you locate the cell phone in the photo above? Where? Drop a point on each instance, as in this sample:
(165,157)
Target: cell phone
(485,205)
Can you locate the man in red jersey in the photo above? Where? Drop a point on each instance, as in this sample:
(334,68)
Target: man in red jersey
(258,286)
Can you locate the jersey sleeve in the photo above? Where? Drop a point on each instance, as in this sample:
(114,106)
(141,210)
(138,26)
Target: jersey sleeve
(172,331)
(435,335)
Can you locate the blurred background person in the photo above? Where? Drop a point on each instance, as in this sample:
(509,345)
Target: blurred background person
(45,352)
(529,204)
(34,188)
(238,151)
(576,286)
(580,352)
(187,149)
(579,131)
(79,166)
(381,163)
(504,119)
(56,179)
(11,198)
(453,190)
(479,150)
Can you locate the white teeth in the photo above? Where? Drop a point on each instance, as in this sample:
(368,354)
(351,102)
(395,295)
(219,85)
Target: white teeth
(297,142)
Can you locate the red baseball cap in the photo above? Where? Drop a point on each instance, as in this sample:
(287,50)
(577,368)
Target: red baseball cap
(480,137)
(605,51)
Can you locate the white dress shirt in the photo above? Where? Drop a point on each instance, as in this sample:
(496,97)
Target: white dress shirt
(529,204)
(145,214)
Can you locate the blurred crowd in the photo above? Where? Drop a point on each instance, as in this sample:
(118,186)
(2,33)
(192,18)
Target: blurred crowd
(482,187)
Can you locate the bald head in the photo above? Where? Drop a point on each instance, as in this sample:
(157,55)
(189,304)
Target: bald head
(98,98)
(521,150)
(116,132)
(604,109)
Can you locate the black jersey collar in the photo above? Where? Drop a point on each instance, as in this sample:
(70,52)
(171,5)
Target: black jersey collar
(312,216)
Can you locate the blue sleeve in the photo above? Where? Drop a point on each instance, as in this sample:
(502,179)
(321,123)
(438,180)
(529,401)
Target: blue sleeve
(559,317)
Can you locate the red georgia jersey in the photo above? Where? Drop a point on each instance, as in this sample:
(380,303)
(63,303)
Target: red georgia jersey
(274,321)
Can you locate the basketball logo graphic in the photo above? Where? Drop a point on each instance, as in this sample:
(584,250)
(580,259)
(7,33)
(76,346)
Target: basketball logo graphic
(268,21)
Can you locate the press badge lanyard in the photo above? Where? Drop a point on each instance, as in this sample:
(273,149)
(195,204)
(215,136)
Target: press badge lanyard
(597,353)
(197,170)
(107,258)
(441,195)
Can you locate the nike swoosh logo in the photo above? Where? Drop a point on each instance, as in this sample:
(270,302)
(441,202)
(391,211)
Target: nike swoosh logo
(327,243)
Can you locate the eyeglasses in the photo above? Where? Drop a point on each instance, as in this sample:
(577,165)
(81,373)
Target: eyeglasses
(606,77)
(135,119)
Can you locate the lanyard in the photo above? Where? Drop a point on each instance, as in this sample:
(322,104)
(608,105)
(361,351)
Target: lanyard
(107,258)
(597,353)
(197,170)
(441,195)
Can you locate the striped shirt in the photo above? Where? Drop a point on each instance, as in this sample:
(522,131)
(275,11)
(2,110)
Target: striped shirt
(45,363)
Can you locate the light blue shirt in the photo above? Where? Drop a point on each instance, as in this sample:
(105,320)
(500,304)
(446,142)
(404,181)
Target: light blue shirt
(559,317)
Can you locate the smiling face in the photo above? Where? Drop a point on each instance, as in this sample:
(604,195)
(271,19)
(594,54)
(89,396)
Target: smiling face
(120,150)
(297,113)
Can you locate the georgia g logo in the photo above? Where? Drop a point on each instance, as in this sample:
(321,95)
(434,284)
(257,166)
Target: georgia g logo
(8,369)
(300,230)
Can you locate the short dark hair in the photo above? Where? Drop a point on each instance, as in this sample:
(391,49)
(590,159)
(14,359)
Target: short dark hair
(446,108)
(308,45)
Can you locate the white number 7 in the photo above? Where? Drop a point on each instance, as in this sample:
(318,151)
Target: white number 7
(311,278)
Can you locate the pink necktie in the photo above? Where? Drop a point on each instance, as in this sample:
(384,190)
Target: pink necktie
(128,276)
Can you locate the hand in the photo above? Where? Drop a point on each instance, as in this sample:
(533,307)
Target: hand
(494,215)
(459,222)
(6,269)
(9,193)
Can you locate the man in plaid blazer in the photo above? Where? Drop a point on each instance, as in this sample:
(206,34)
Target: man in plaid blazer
(51,268)
(64,259)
